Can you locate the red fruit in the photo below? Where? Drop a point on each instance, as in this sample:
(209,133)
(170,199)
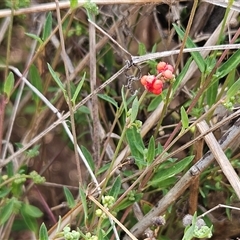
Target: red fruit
(158,84)
(157,91)
(144,80)
(161,66)
(168,74)
(152,84)
(170,67)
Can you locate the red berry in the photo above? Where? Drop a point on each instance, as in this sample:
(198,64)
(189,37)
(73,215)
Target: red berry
(158,84)
(144,80)
(161,66)
(157,91)
(168,74)
(170,67)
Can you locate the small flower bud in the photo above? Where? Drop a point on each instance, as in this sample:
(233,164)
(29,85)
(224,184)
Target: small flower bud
(200,223)
(159,221)
(187,220)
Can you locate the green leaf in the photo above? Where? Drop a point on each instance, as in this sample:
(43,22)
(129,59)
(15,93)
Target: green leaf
(84,203)
(79,87)
(104,168)
(190,44)
(154,48)
(141,49)
(126,202)
(124,99)
(8,84)
(57,80)
(108,99)
(165,173)
(70,199)
(36,81)
(35,37)
(30,221)
(232,91)
(135,106)
(47,27)
(184,118)
(4,191)
(6,211)
(212,92)
(43,234)
(136,145)
(84,109)
(116,187)
(31,210)
(88,157)
(154,103)
(73,4)
(180,77)
(229,65)
(151,150)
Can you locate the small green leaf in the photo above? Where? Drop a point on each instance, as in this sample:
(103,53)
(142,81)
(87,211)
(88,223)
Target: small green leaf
(233,90)
(70,200)
(31,210)
(184,118)
(103,168)
(4,191)
(30,222)
(57,79)
(88,157)
(8,85)
(6,211)
(36,81)
(190,44)
(124,99)
(212,92)
(165,173)
(151,150)
(108,99)
(229,65)
(154,103)
(141,49)
(79,87)
(116,187)
(135,106)
(73,4)
(154,48)
(136,145)
(47,27)
(43,234)
(84,203)
(84,109)
(35,37)
(180,77)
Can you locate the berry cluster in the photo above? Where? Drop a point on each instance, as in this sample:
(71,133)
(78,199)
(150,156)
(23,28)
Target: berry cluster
(154,83)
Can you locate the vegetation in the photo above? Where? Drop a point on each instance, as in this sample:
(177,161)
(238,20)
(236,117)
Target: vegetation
(119,121)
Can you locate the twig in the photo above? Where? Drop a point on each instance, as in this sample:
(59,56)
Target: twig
(112,217)
(70,106)
(66,4)
(157,55)
(93,84)
(220,158)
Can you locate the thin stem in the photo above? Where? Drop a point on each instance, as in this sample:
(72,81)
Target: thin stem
(69,93)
